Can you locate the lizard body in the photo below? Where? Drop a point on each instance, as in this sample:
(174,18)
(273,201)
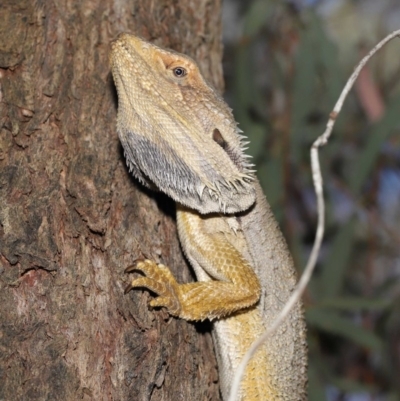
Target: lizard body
(180,137)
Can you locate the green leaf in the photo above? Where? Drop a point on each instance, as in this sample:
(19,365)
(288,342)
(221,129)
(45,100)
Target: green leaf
(363,165)
(271,178)
(316,387)
(328,60)
(257,16)
(256,133)
(353,386)
(337,261)
(304,89)
(356,303)
(331,322)
(244,86)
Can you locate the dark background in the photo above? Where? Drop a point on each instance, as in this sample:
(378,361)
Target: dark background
(285,64)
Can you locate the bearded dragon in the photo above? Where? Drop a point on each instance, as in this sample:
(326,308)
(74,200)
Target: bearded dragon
(180,137)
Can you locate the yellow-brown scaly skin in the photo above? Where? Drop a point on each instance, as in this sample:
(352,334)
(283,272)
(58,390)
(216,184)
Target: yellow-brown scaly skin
(180,137)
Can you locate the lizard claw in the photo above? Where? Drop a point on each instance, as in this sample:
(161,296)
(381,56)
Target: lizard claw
(128,288)
(133,266)
(158,279)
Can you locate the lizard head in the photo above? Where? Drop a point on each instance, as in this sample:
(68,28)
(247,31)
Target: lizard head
(177,132)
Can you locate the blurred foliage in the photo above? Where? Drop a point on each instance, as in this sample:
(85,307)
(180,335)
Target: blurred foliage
(285,79)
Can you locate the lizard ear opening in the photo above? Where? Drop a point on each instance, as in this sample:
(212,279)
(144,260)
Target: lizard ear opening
(217,137)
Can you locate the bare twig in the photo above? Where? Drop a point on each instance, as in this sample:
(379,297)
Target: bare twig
(318,185)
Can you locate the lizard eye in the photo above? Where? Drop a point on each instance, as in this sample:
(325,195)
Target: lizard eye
(179,72)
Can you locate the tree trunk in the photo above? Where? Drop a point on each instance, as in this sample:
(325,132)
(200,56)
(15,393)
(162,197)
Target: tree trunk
(72,219)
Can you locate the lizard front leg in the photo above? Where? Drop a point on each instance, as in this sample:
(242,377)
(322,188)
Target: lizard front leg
(210,246)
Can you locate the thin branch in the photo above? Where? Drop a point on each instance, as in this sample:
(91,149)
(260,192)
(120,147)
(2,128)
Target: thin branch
(318,186)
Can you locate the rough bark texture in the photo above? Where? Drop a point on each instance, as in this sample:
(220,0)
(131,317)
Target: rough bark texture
(72,219)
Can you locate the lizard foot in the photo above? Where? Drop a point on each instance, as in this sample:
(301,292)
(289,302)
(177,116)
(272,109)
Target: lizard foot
(159,279)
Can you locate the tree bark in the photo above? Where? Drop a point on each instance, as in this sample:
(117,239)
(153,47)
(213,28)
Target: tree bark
(72,219)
